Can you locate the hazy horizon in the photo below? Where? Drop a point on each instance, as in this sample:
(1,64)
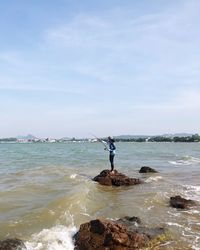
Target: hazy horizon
(71,68)
(93,136)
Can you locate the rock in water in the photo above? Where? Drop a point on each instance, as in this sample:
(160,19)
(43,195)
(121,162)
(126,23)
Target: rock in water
(107,235)
(135,224)
(124,234)
(114,178)
(147,170)
(12,244)
(179,202)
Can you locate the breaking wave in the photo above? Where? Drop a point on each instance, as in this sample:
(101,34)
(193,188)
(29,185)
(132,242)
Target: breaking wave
(192,192)
(186,160)
(56,238)
(152,179)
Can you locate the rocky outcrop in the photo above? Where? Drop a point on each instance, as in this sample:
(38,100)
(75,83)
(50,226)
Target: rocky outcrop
(103,235)
(114,178)
(179,202)
(123,234)
(146,169)
(12,244)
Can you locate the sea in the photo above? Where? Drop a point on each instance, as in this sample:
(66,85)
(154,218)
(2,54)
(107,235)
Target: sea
(47,192)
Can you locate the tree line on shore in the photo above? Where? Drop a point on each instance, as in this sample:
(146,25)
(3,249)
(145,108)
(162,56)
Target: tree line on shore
(192,138)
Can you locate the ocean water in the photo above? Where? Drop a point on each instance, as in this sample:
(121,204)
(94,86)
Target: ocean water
(46,190)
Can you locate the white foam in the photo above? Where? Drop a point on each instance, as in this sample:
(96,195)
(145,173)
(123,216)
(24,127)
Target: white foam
(177,214)
(192,212)
(86,214)
(180,162)
(192,192)
(175,224)
(149,208)
(73,176)
(187,160)
(196,243)
(155,178)
(194,188)
(195,248)
(195,159)
(56,238)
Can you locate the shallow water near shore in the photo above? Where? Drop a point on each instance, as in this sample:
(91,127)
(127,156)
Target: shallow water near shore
(46,190)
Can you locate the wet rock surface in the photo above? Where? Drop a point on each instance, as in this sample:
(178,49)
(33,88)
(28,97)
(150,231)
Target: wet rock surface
(104,235)
(180,202)
(146,169)
(12,244)
(124,234)
(114,178)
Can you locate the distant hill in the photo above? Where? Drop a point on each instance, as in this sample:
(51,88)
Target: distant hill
(177,135)
(26,137)
(147,136)
(119,137)
(131,136)
(66,138)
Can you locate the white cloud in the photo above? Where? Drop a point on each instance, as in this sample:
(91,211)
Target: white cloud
(157,45)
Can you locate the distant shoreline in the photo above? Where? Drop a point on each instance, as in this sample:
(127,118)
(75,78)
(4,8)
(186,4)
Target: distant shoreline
(125,138)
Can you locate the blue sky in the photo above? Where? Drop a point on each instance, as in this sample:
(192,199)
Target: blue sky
(72,68)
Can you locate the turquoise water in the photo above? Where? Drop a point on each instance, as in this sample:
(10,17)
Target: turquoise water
(46,190)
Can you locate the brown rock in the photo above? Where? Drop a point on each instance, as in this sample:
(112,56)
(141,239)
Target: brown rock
(108,235)
(179,202)
(108,178)
(12,244)
(124,234)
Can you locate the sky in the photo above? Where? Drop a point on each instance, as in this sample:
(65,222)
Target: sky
(75,68)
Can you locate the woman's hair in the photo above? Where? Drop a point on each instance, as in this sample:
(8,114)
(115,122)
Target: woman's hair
(111,139)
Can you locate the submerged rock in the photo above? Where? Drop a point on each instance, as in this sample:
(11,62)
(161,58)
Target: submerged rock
(114,178)
(146,169)
(12,244)
(123,234)
(179,202)
(135,224)
(129,221)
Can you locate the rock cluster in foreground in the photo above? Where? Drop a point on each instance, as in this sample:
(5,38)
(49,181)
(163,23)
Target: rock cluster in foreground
(12,244)
(123,234)
(179,202)
(114,178)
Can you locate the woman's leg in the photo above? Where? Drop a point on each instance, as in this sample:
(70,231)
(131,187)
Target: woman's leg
(111,158)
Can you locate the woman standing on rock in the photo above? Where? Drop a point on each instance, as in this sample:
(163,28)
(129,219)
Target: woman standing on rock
(111,149)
